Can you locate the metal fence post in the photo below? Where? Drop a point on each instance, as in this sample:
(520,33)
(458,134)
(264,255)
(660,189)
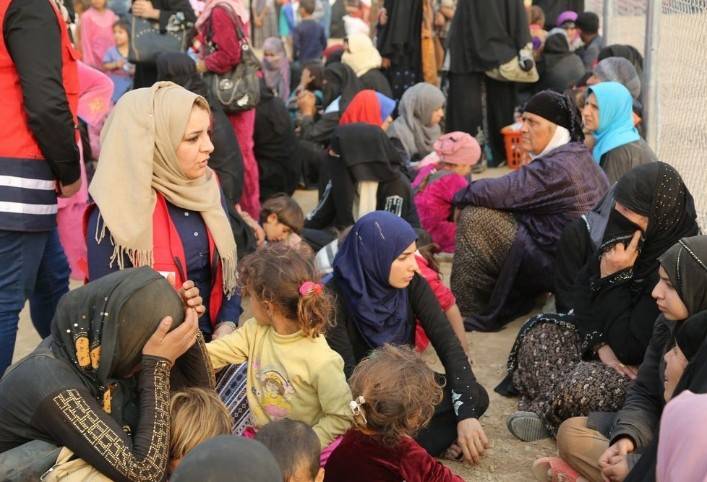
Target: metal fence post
(607,13)
(650,82)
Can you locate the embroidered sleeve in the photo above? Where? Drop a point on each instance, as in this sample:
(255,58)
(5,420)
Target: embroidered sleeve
(74,419)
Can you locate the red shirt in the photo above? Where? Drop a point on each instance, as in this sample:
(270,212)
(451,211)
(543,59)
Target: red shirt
(361,457)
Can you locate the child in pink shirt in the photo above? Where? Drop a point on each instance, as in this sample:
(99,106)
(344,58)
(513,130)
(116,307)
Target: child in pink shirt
(436,185)
(96,33)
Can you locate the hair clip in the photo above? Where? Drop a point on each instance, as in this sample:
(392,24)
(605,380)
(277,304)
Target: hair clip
(355,406)
(310,287)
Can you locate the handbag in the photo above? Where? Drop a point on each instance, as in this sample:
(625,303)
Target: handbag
(512,71)
(238,90)
(147,41)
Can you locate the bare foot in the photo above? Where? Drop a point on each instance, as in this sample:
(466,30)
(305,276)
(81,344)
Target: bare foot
(453,452)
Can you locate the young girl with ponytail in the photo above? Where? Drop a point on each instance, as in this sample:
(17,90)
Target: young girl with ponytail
(291,371)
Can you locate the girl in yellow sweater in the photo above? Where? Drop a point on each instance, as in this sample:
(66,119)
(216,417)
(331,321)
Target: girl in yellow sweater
(291,371)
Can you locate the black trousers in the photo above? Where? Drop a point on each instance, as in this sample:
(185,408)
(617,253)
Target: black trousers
(441,432)
(465,112)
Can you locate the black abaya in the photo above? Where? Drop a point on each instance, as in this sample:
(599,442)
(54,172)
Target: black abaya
(484,34)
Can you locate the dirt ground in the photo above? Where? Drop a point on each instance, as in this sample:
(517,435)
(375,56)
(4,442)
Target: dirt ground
(508,460)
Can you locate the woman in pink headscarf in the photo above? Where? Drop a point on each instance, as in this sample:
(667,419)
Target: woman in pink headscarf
(218,25)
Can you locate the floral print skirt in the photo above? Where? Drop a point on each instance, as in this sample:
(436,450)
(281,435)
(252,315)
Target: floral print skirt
(554,381)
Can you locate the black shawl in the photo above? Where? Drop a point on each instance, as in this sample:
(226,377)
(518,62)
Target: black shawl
(486,33)
(400,40)
(274,145)
(657,191)
(101,328)
(340,81)
(367,152)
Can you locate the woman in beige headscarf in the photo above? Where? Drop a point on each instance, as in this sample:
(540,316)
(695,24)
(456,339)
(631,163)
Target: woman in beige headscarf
(363,58)
(158,204)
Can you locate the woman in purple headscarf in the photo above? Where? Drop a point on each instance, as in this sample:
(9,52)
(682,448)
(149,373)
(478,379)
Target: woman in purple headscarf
(276,67)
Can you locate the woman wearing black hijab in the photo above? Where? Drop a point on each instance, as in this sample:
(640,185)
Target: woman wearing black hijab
(594,349)
(359,153)
(400,44)
(314,130)
(559,68)
(274,145)
(100,383)
(682,296)
(484,34)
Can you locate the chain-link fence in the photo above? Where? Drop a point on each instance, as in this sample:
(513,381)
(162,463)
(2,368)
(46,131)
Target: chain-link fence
(677,71)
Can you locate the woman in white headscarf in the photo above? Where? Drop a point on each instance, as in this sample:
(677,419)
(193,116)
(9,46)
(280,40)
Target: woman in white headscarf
(365,60)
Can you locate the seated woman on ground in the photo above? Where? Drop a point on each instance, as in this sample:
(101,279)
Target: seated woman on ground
(509,226)
(608,115)
(379,295)
(366,175)
(100,383)
(275,146)
(417,126)
(363,57)
(565,366)
(395,394)
(436,184)
(680,293)
(313,128)
(370,107)
(158,203)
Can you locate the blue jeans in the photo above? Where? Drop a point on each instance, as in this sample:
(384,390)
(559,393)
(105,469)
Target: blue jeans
(32,266)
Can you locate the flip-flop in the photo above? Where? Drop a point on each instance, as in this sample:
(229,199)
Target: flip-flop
(554,469)
(527,426)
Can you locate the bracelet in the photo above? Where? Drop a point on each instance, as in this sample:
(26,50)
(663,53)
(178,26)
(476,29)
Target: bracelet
(229,323)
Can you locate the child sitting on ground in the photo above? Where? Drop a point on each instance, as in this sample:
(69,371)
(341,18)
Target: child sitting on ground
(291,371)
(281,219)
(395,394)
(197,414)
(296,449)
(436,184)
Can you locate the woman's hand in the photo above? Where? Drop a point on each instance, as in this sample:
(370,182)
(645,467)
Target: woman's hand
(170,345)
(615,470)
(472,440)
(307,103)
(614,467)
(144,9)
(253,225)
(620,257)
(609,358)
(620,449)
(191,297)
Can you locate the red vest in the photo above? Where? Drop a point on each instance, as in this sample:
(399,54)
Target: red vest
(16,138)
(168,255)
